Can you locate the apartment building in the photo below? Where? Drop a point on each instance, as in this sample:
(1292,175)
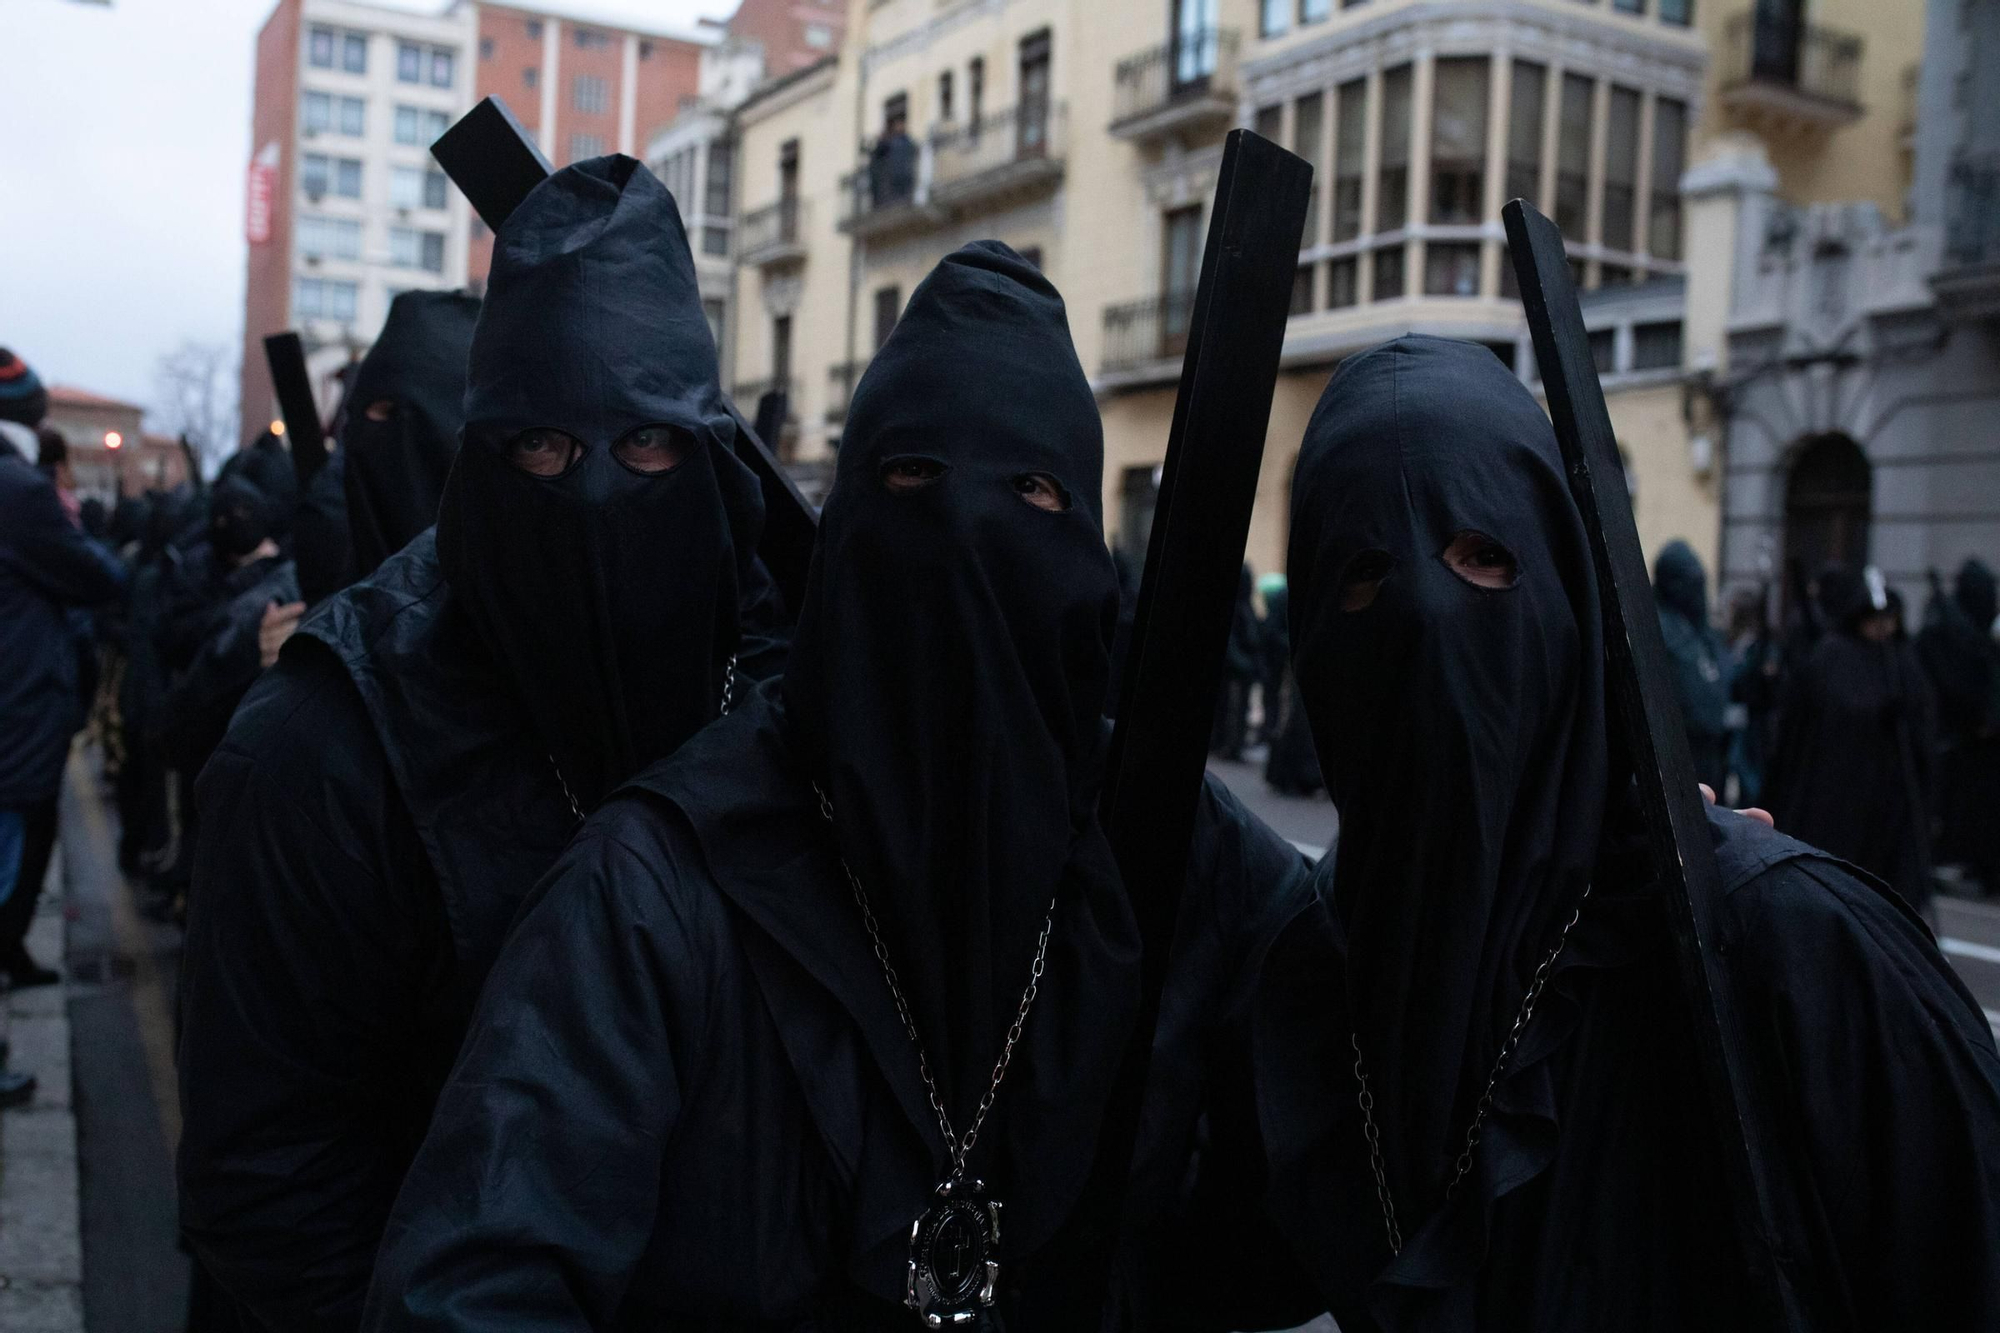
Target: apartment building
(346,207)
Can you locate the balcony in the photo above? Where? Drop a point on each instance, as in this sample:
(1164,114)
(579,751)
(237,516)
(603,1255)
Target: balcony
(775,234)
(960,170)
(1185,86)
(1968,284)
(1783,75)
(1145,340)
(841,380)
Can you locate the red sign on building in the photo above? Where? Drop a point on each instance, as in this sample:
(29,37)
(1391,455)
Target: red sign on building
(262,191)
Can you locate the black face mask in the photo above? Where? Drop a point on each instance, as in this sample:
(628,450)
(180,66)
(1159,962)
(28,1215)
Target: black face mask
(605,583)
(396,468)
(952,658)
(238,517)
(1461,726)
(267,466)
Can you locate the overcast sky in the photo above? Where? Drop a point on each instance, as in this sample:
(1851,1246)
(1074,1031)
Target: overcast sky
(122,176)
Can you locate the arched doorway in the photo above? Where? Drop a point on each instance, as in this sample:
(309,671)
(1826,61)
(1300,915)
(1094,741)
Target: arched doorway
(1827,505)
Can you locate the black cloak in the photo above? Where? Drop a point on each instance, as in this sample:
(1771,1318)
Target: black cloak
(1699,658)
(746,1138)
(351,892)
(1963,661)
(1463,729)
(395,469)
(1854,769)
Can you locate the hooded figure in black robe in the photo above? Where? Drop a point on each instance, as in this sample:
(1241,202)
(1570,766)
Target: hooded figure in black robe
(1854,769)
(1448,641)
(693,997)
(431,737)
(1962,658)
(1700,660)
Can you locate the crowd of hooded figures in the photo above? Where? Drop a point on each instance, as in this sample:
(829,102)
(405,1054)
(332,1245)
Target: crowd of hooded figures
(580,936)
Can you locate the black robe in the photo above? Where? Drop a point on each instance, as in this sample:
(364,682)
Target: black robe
(743,1142)
(1610,1210)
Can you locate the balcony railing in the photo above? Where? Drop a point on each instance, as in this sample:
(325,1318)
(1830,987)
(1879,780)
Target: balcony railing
(774,232)
(1140,333)
(1189,78)
(1972,213)
(1778,52)
(841,380)
(890,189)
(1025,143)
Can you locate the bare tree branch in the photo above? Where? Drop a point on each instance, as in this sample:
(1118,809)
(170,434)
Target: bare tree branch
(196,396)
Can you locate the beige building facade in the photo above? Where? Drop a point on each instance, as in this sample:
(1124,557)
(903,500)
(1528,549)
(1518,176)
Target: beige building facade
(1088,133)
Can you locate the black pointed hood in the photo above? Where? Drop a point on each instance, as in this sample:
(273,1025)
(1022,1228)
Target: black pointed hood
(395,469)
(609,591)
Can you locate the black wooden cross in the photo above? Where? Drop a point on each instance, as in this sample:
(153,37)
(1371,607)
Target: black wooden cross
(287,358)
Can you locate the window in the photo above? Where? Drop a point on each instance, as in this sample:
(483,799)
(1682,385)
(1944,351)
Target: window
(818,36)
(1663,232)
(1312,11)
(409,62)
(888,306)
(1613,275)
(590,94)
(721,169)
(485,48)
(531,77)
(411,248)
(353,116)
(1629,6)
(1604,350)
(419,127)
(323,113)
(1657,346)
(1275,16)
(1680,13)
(896,114)
(781,352)
(316,111)
(354,52)
(534,30)
(1180,274)
(329,238)
(324,298)
(434,188)
(1451,268)
(1342,276)
(582,146)
(416,187)
(590,39)
(714,311)
(1573,156)
(1458,142)
(1031,117)
(443,67)
(715,240)
(1621,168)
(944,96)
(1392,184)
(1302,290)
(1524,131)
(319,48)
(788,171)
(1270,122)
(1308,132)
(1350,145)
(1389,273)
(975,90)
(320,175)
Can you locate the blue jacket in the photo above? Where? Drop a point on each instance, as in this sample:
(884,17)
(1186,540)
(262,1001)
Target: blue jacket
(46,567)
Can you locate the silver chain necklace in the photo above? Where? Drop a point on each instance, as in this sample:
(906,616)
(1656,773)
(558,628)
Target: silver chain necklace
(1473,1131)
(728,697)
(954,1245)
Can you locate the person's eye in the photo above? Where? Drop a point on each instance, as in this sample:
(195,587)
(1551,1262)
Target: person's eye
(1042,491)
(382,409)
(1363,577)
(911,472)
(1481,561)
(543,452)
(653,449)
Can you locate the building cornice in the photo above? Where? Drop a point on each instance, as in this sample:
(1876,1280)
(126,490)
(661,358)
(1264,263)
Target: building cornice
(953,15)
(787,92)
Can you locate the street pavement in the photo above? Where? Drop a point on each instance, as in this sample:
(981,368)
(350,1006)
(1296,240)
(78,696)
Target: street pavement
(1308,822)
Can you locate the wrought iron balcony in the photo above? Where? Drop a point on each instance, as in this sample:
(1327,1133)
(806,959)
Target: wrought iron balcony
(890,191)
(960,170)
(1187,84)
(1969,282)
(841,380)
(774,234)
(1140,335)
(1781,72)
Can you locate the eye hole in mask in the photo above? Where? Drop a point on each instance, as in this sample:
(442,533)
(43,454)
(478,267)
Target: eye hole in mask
(542,451)
(1042,491)
(1481,561)
(908,473)
(653,449)
(1363,577)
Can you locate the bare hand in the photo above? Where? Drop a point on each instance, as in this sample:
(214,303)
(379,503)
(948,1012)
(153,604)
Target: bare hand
(1761,816)
(280,619)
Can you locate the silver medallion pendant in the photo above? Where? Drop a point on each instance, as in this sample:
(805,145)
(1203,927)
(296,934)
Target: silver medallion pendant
(955,1256)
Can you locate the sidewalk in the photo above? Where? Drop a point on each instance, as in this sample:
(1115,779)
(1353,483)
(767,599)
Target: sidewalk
(41,1246)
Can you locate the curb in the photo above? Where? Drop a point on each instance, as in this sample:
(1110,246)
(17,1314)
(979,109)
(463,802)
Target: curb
(41,1242)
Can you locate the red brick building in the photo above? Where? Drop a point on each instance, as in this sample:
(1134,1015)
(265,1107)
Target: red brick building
(582,88)
(793,33)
